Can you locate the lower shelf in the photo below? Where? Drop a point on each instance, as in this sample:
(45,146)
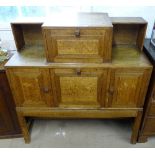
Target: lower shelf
(78,113)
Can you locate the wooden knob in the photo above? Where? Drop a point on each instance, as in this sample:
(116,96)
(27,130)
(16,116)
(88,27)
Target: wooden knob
(111,91)
(78,71)
(77,33)
(45,90)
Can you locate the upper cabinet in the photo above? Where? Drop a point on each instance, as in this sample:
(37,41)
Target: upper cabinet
(84,38)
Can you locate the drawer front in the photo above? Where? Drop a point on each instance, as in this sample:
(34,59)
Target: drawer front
(152,107)
(79,88)
(75,45)
(149,127)
(152,110)
(153,95)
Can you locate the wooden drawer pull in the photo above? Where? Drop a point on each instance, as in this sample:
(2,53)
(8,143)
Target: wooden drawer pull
(78,71)
(111,91)
(45,90)
(77,33)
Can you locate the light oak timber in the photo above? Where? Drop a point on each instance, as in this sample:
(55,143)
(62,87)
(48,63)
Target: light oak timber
(78,112)
(84,37)
(129,31)
(27,34)
(114,89)
(122,56)
(128,20)
(136,125)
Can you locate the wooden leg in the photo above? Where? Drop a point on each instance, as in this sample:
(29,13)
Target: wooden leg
(142,139)
(136,127)
(24,127)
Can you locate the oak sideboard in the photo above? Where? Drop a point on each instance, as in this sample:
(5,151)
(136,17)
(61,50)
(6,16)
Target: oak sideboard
(84,66)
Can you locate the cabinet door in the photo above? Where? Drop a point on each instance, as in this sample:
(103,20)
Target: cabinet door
(78,44)
(79,88)
(128,88)
(31,87)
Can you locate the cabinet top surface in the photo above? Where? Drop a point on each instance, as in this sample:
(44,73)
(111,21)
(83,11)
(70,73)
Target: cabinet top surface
(121,57)
(79,20)
(128,20)
(83,19)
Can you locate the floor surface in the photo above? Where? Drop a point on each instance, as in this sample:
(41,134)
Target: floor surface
(78,134)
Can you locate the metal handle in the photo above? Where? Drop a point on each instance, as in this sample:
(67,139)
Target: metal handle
(77,33)
(78,71)
(46,90)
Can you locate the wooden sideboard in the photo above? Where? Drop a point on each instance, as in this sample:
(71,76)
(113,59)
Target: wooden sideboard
(148,121)
(71,84)
(9,126)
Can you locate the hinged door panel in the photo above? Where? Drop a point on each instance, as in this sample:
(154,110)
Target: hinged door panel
(127,88)
(80,88)
(31,87)
(78,44)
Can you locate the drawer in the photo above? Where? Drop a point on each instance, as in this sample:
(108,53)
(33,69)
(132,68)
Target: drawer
(152,109)
(78,44)
(153,94)
(149,127)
